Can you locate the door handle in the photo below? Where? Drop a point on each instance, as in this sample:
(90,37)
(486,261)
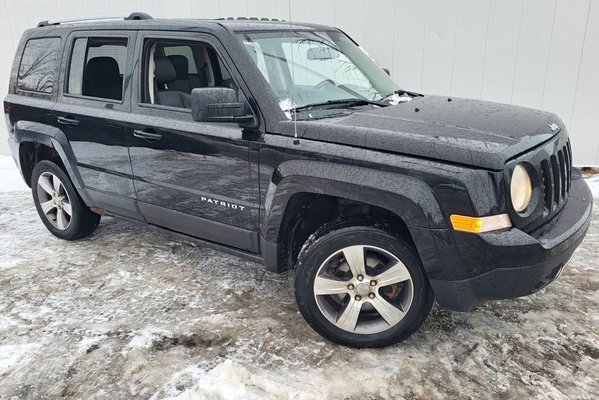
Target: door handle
(69,121)
(150,136)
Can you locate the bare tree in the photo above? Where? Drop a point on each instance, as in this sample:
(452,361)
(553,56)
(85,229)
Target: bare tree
(37,67)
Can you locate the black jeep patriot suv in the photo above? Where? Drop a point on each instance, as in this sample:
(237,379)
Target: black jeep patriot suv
(287,144)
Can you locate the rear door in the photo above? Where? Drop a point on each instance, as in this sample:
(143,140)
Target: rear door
(92,109)
(190,177)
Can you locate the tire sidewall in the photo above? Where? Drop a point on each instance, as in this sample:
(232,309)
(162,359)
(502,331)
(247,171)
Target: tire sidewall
(74,228)
(317,252)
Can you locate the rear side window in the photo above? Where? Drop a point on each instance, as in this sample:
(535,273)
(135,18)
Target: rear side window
(96,67)
(38,65)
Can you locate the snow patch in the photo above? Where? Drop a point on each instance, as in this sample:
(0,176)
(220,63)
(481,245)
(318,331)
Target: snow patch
(593,183)
(144,338)
(230,380)
(87,345)
(7,322)
(35,314)
(178,381)
(12,355)
(10,177)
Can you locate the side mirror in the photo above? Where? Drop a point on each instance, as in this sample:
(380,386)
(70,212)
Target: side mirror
(387,71)
(218,104)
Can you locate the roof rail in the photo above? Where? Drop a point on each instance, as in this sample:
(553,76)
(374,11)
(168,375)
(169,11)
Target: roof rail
(249,19)
(135,16)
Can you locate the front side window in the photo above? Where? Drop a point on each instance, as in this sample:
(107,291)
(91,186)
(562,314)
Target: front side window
(97,66)
(38,65)
(310,67)
(173,68)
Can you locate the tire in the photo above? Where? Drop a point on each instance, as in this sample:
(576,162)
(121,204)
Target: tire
(54,197)
(323,267)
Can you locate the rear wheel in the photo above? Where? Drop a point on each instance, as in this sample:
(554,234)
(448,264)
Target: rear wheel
(361,286)
(58,204)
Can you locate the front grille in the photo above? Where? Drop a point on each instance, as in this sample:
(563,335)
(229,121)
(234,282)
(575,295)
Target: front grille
(556,172)
(550,166)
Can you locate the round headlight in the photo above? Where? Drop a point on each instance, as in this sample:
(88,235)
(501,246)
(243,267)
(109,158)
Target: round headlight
(521,188)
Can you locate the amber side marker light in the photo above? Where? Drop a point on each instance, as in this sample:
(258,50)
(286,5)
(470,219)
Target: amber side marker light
(480,224)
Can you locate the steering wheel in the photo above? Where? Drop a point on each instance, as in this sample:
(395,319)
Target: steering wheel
(324,84)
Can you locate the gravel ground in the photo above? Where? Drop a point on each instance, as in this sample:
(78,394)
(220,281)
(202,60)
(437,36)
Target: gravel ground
(131,313)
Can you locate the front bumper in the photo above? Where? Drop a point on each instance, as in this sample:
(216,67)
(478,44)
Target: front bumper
(512,263)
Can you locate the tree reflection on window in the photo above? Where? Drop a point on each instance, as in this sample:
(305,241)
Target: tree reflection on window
(38,65)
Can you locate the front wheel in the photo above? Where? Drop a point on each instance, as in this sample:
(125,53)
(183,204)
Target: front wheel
(361,286)
(58,204)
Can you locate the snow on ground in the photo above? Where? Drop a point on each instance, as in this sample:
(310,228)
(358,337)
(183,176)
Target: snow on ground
(12,354)
(593,182)
(10,177)
(133,314)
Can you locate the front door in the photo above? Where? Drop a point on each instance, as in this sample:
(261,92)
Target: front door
(92,109)
(190,177)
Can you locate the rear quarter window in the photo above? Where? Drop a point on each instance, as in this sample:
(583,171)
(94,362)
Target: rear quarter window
(37,71)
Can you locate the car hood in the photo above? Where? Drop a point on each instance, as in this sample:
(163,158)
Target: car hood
(472,132)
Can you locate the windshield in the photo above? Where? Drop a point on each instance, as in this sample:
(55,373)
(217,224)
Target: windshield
(310,67)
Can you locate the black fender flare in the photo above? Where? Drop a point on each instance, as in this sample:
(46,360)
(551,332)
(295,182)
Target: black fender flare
(51,136)
(406,196)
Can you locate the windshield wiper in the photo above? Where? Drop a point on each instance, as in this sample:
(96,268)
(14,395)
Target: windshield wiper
(341,102)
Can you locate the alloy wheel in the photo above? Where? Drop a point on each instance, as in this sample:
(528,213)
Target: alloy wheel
(54,200)
(363,289)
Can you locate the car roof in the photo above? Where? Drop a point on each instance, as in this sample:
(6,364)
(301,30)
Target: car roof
(243,24)
(240,24)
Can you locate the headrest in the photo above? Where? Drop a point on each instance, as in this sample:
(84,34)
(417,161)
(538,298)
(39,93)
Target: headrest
(104,70)
(181,65)
(164,72)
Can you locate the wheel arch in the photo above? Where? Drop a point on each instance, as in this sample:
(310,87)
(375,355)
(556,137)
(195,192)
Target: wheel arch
(405,203)
(39,142)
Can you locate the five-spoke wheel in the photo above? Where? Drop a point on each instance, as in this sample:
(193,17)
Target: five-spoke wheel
(363,289)
(361,286)
(58,204)
(54,200)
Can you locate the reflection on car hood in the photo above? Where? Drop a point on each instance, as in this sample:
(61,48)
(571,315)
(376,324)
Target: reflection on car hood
(471,132)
